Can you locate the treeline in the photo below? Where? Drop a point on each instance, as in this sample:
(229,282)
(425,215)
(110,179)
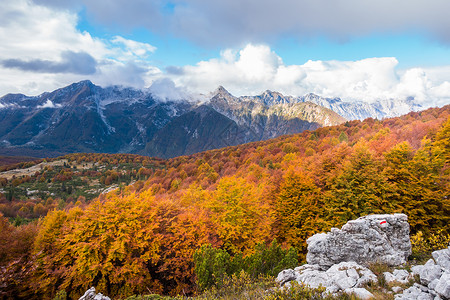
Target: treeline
(143,238)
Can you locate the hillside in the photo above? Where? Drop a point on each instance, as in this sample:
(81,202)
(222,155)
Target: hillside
(143,237)
(31,189)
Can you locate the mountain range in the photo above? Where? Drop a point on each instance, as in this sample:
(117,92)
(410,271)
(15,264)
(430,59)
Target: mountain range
(83,117)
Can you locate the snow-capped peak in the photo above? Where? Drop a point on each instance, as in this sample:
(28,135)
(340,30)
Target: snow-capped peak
(221,91)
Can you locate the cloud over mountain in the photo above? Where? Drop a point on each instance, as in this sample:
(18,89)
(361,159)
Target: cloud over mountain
(256,68)
(43,48)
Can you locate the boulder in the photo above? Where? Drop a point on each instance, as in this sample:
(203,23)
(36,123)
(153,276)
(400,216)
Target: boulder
(400,276)
(337,260)
(343,277)
(443,286)
(91,295)
(285,276)
(373,238)
(361,293)
(428,272)
(434,279)
(396,289)
(442,258)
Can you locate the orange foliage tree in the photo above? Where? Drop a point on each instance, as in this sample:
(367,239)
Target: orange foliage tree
(299,210)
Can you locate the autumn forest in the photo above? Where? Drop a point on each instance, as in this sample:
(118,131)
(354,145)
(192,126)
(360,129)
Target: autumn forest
(131,225)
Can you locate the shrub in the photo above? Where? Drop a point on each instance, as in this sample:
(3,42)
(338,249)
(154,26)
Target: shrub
(213,266)
(423,245)
(240,286)
(270,260)
(61,295)
(150,297)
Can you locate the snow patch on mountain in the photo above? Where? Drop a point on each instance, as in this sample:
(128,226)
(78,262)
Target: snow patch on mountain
(4,105)
(49,104)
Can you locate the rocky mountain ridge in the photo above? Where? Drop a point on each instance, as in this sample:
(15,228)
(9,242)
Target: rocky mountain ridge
(83,117)
(380,109)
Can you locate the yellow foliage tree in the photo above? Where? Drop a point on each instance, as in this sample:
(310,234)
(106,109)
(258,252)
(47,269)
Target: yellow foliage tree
(241,219)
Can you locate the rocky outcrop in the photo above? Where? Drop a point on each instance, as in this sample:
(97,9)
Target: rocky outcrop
(91,295)
(434,279)
(416,292)
(373,238)
(337,261)
(346,277)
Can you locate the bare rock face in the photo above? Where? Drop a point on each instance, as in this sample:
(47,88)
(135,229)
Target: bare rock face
(373,238)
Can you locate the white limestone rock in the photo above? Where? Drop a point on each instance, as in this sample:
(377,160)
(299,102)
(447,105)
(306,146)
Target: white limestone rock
(91,295)
(396,289)
(306,267)
(429,272)
(285,276)
(315,278)
(414,293)
(416,270)
(361,293)
(383,238)
(340,277)
(432,285)
(442,258)
(398,275)
(443,286)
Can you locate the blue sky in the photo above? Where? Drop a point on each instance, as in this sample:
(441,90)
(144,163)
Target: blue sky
(413,48)
(356,50)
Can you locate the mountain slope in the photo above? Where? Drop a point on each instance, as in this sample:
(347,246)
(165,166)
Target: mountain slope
(268,116)
(202,128)
(84,118)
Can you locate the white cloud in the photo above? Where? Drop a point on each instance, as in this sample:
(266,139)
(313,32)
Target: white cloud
(134,48)
(41,49)
(32,35)
(256,68)
(221,23)
(165,89)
